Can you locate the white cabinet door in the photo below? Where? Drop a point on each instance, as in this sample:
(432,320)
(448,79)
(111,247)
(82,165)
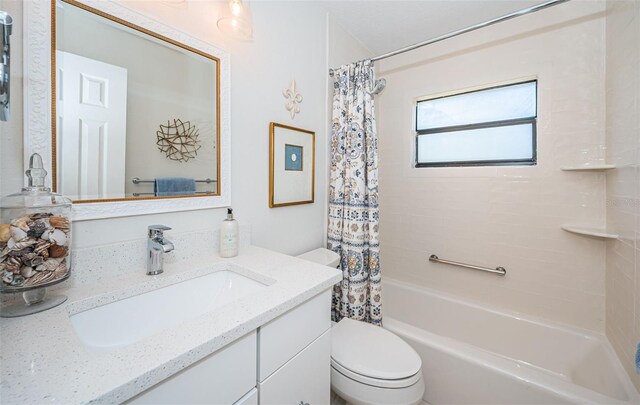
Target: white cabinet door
(222,378)
(284,337)
(305,379)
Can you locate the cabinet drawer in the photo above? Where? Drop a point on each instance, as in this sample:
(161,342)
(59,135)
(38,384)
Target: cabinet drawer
(284,337)
(222,378)
(304,379)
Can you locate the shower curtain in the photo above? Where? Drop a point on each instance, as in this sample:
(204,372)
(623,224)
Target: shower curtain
(353,195)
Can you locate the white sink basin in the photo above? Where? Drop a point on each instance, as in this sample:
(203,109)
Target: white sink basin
(127,321)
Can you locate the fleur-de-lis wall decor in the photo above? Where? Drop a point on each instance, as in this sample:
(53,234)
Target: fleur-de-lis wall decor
(292,99)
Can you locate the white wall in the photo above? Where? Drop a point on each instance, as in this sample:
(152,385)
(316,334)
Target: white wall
(503,216)
(623,183)
(289,43)
(343,47)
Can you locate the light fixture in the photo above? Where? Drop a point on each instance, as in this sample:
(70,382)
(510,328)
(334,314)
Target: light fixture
(236,20)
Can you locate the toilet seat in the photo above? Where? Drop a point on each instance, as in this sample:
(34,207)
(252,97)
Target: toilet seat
(375,382)
(372,355)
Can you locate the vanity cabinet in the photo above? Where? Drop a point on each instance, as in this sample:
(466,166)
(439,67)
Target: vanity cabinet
(286,361)
(294,352)
(221,378)
(287,335)
(305,379)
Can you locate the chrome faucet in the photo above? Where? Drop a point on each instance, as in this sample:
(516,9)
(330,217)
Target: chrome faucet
(156,246)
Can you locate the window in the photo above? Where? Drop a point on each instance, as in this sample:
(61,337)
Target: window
(493,126)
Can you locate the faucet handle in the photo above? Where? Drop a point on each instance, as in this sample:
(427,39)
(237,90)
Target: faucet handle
(157,230)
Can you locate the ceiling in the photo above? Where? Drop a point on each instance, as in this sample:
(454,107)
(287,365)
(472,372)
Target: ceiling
(386,25)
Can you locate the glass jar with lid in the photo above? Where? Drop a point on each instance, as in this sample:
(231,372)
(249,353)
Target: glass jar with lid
(35,239)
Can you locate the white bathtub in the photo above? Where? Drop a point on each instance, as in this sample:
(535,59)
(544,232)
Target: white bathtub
(472,354)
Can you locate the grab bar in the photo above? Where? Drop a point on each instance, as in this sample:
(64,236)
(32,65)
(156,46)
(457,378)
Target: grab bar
(501,271)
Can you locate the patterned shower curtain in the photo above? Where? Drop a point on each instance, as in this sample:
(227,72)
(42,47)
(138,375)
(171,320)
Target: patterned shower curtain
(353,195)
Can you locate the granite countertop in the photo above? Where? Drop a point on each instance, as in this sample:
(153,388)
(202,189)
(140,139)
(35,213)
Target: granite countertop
(43,361)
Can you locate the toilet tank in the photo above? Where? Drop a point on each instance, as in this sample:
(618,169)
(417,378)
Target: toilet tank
(322,256)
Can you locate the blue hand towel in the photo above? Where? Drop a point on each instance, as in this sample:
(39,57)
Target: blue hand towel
(168,186)
(638,359)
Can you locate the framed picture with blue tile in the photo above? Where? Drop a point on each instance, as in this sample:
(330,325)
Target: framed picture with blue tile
(293,155)
(291,165)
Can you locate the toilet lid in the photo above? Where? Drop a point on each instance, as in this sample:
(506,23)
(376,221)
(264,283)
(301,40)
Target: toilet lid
(372,351)
(322,256)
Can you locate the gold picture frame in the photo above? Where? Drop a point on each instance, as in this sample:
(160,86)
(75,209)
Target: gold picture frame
(291,177)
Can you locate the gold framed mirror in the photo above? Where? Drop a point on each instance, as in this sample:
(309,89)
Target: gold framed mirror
(136,115)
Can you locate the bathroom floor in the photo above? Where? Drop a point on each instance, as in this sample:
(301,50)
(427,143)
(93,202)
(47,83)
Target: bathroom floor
(336,400)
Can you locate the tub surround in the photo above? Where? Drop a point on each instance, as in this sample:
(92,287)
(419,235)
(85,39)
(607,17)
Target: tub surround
(511,216)
(52,365)
(623,183)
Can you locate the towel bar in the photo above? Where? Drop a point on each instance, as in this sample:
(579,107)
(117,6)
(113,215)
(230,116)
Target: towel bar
(180,195)
(501,271)
(136,180)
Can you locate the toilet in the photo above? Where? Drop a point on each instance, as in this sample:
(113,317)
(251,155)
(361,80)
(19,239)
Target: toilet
(369,364)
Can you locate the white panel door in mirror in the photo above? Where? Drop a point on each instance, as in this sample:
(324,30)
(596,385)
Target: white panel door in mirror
(93,147)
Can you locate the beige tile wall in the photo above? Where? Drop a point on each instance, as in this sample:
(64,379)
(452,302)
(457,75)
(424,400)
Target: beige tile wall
(623,183)
(507,216)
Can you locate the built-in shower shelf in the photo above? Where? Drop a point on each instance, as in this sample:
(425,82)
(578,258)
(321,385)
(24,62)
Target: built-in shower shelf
(593,232)
(584,168)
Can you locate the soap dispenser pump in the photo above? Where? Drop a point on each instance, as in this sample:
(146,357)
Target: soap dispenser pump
(229,236)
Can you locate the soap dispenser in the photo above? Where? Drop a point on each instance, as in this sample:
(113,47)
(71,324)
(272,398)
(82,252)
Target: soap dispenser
(229,236)
(35,242)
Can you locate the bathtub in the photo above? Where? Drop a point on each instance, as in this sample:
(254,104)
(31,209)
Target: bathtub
(472,354)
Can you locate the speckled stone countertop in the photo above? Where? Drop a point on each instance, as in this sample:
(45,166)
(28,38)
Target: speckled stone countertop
(43,361)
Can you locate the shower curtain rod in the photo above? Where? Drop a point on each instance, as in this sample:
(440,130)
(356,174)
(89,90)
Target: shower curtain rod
(506,17)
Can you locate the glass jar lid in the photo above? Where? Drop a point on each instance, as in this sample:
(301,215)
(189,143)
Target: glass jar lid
(35,194)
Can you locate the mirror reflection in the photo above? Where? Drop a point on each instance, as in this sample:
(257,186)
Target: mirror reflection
(136,113)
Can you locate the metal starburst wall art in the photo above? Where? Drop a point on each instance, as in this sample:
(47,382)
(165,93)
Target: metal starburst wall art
(178,140)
